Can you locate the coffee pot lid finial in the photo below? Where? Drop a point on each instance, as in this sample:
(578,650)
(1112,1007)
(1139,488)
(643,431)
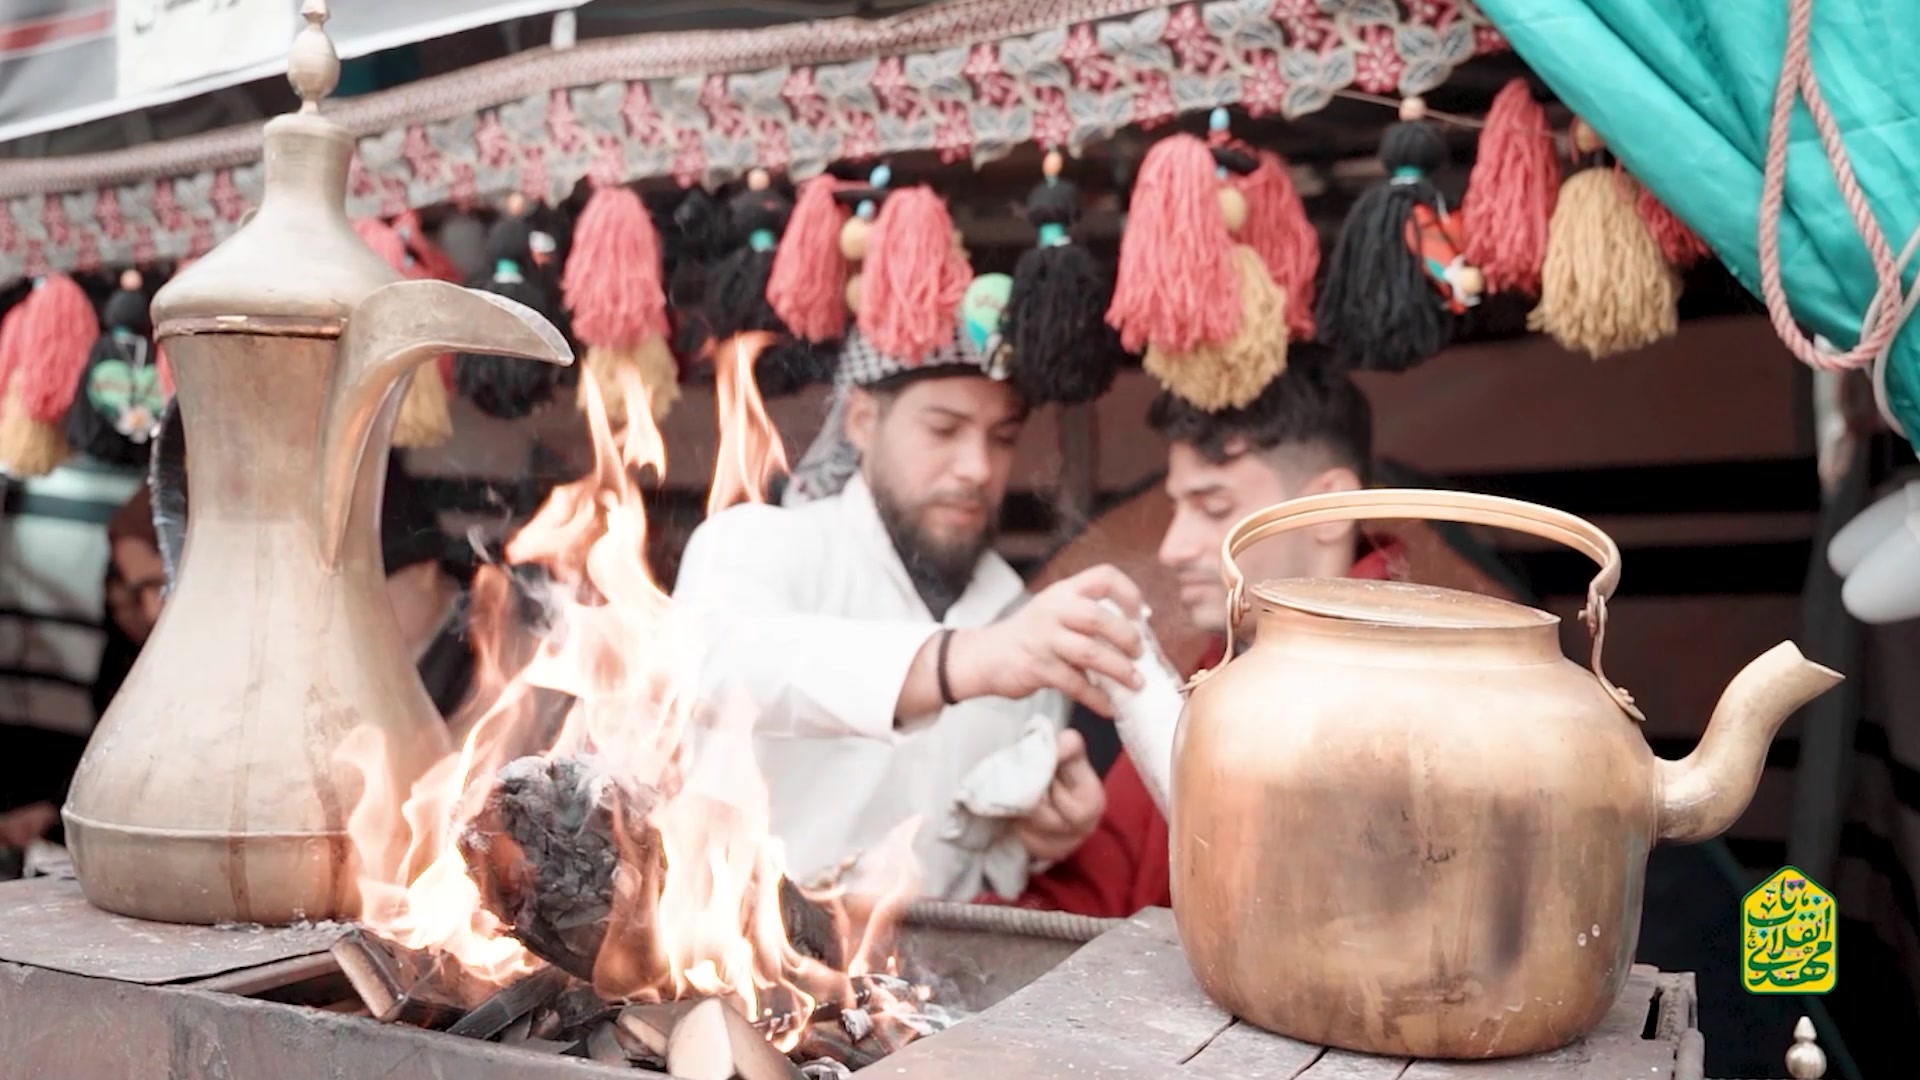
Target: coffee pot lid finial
(313,67)
(296,261)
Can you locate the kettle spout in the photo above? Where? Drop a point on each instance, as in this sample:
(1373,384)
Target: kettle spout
(1703,794)
(392,331)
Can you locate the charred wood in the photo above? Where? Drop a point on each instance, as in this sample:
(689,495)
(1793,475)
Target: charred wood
(397,984)
(563,854)
(515,1000)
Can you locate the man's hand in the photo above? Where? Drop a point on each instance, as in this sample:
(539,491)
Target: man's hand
(1052,642)
(1072,808)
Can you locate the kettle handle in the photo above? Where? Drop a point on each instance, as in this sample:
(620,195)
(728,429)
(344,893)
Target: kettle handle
(1433,505)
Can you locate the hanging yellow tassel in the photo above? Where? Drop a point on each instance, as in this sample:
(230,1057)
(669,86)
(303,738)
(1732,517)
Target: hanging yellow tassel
(1231,374)
(1606,287)
(424,419)
(654,364)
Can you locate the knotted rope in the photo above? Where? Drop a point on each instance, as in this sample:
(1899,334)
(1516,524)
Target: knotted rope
(1887,312)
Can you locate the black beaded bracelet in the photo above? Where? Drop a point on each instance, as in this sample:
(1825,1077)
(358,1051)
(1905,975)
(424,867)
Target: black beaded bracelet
(940,668)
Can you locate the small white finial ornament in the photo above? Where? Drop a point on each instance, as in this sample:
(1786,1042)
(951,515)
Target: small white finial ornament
(313,67)
(1805,1059)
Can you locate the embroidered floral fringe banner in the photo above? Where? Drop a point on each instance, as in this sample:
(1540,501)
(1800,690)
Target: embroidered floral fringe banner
(970,79)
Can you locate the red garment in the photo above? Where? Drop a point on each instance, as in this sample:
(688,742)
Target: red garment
(1123,866)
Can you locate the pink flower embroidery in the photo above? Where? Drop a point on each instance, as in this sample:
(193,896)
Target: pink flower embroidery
(533,172)
(1377,65)
(891,87)
(690,159)
(493,142)
(803,97)
(53,217)
(562,125)
(991,84)
(1091,68)
(106,211)
(607,164)
(1193,47)
(422,156)
(643,122)
(461,188)
(142,248)
(1263,88)
(770,145)
(1153,100)
(86,256)
(166,209)
(722,111)
(862,138)
(1052,122)
(225,197)
(953,135)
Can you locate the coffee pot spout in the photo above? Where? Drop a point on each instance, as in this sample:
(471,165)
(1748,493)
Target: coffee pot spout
(392,331)
(1703,794)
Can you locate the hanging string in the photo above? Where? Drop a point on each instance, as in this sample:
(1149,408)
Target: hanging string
(1886,312)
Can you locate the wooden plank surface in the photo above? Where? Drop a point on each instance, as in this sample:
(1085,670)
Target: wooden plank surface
(1126,1005)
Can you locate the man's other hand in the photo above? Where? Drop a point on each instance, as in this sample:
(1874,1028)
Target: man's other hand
(1072,807)
(1054,641)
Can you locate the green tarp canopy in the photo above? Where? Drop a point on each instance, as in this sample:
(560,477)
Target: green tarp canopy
(1683,90)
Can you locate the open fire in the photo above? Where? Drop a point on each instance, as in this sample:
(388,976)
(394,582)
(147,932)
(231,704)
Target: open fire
(603,833)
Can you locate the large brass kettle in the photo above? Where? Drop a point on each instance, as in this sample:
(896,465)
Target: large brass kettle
(1404,823)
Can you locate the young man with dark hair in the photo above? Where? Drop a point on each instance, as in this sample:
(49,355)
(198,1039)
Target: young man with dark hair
(1309,432)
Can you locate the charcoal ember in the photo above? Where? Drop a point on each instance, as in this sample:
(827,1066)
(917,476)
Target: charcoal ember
(563,854)
(546,849)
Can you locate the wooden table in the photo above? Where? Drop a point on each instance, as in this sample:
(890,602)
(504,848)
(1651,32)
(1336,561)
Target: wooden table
(1126,1006)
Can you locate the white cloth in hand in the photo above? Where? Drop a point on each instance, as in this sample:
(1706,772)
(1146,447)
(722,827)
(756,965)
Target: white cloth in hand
(1003,788)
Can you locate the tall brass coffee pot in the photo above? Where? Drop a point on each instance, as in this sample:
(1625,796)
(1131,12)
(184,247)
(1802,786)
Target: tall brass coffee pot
(209,792)
(1404,823)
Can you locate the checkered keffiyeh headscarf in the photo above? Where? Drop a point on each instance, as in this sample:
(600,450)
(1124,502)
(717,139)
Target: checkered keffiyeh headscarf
(831,461)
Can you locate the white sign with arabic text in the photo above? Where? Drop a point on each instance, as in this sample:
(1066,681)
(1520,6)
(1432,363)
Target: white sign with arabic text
(162,43)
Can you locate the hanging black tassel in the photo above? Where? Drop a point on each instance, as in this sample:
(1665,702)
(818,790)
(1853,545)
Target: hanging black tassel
(736,294)
(695,238)
(504,387)
(1055,320)
(117,407)
(1379,308)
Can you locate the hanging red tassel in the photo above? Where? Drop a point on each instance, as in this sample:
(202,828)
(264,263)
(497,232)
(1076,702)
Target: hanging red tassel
(1511,192)
(48,350)
(1176,286)
(914,277)
(1277,229)
(1681,246)
(424,418)
(808,285)
(612,284)
(429,261)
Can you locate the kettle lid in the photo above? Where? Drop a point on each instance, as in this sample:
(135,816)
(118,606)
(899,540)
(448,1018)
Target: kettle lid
(1400,604)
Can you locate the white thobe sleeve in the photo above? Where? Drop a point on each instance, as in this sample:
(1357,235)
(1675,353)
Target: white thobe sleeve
(740,588)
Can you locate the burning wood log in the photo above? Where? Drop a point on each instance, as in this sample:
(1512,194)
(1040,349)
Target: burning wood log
(563,855)
(714,1042)
(515,1000)
(401,985)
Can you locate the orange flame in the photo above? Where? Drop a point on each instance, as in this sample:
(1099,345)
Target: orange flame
(607,656)
(750,453)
